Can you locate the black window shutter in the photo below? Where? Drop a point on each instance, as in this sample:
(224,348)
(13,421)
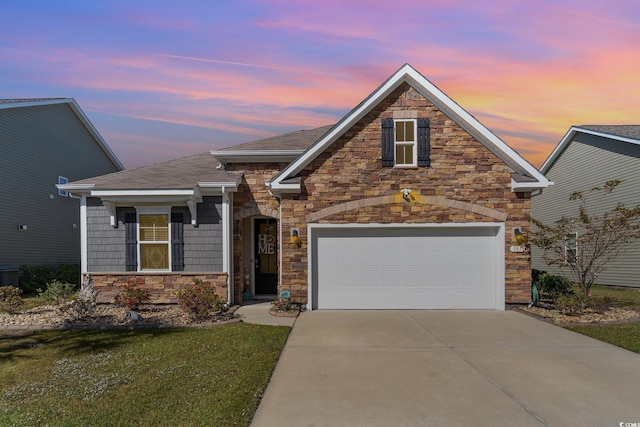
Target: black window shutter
(387,142)
(424,144)
(131,242)
(177,242)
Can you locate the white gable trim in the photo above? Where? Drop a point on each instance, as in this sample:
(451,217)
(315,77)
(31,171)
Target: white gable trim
(407,74)
(568,137)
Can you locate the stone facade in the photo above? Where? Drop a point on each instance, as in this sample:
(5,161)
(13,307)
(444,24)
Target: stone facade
(161,286)
(465,182)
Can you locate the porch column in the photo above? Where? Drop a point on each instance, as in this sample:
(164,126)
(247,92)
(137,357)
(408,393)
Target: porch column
(83,234)
(227,240)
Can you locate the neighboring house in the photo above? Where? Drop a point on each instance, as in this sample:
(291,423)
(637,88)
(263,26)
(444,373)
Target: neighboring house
(44,142)
(587,157)
(407,202)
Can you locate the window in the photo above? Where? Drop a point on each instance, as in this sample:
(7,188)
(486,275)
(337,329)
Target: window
(571,248)
(154,241)
(405,143)
(62,180)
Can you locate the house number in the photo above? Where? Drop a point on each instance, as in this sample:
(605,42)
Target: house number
(266,244)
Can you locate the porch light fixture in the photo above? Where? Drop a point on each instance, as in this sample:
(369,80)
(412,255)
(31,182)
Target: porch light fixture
(295,237)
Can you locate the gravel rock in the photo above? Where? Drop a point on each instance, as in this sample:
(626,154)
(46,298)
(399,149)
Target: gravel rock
(107,317)
(612,315)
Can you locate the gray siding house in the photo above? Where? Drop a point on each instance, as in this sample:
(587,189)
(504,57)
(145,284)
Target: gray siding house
(586,157)
(44,142)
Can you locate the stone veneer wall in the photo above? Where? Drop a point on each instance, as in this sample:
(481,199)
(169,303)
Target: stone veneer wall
(161,286)
(347,184)
(464,183)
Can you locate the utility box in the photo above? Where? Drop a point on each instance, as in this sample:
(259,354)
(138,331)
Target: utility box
(9,278)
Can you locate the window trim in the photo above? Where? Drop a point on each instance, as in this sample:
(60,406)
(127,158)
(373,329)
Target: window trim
(567,248)
(413,144)
(153,211)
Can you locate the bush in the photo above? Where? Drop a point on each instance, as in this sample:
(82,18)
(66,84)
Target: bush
(34,277)
(10,299)
(199,301)
(577,304)
(132,297)
(553,286)
(57,292)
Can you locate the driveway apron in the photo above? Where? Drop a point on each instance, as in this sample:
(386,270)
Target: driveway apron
(447,368)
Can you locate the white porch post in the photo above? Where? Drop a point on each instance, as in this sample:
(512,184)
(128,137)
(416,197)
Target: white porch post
(83,234)
(227,241)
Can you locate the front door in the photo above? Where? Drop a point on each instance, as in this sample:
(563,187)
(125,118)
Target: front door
(266,256)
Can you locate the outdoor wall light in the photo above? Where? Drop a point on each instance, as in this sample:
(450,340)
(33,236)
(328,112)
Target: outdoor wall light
(406,194)
(295,237)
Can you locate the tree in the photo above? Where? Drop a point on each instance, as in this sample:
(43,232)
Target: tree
(584,244)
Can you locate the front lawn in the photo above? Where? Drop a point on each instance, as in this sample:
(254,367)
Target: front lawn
(160,377)
(625,335)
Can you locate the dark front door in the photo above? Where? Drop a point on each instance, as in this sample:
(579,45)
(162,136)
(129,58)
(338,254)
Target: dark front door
(266,256)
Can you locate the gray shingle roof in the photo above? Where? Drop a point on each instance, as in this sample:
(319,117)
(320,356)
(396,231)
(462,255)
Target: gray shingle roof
(182,173)
(627,131)
(299,140)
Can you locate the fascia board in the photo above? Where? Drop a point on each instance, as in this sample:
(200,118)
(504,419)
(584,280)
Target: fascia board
(143,193)
(228,186)
(242,156)
(284,188)
(568,137)
(409,75)
(528,186)
(76,188)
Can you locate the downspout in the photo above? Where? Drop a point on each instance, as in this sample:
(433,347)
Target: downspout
(279,196)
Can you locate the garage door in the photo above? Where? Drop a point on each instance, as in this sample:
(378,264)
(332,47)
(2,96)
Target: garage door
(443,267)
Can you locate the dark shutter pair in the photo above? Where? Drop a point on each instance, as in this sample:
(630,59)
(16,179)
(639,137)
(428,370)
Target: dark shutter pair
(131,242)
(423,141)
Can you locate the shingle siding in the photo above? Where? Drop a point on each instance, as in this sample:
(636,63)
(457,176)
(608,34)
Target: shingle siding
(38,144)
(202,244)
(589,161)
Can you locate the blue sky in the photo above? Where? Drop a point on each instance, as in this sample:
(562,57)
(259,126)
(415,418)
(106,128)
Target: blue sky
(162,79)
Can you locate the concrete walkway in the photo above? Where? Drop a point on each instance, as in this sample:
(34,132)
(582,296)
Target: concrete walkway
(258,312)
(447,368)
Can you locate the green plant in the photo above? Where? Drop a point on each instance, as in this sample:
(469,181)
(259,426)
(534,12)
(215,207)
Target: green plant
(200,300)
(10,299)
(34,277)
(57,292)
(283,305)
(586,242)
(553,286)
(132,297)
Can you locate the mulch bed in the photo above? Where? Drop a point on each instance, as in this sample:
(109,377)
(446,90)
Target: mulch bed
(611,316)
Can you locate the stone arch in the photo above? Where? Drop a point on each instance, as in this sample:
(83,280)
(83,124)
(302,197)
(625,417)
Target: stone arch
(254,211)
(397,198)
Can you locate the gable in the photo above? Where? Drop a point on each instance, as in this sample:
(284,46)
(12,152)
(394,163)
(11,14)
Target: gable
(408,75)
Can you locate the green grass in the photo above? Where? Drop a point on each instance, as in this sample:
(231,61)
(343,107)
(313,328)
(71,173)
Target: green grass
(160,377)
(625,335)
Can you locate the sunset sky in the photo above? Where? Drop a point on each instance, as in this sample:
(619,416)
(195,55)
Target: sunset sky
(162,79)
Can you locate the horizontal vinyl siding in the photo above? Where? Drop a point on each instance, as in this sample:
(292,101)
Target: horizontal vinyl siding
(203,244)
(38,144)
(587,162)
(105,244)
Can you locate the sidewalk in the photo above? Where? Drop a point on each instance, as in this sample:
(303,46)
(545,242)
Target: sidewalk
(258,312)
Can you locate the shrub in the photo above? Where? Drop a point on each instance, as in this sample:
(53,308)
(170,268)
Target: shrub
(10,299)
(57,292)
(34,277)
(199,301)
(83,304)
(553,286)
(283,305)
(132,297)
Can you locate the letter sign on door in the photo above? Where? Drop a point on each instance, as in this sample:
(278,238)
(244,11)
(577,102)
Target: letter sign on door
(266,244)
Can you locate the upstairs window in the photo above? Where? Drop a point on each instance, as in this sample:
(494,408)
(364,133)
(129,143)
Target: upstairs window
(406,143)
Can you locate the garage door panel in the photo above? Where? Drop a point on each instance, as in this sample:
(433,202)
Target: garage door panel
(405,268)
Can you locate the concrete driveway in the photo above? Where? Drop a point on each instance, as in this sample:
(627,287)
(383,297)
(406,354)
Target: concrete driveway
(447,368)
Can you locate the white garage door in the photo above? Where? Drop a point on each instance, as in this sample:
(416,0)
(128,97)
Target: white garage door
(443,267)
